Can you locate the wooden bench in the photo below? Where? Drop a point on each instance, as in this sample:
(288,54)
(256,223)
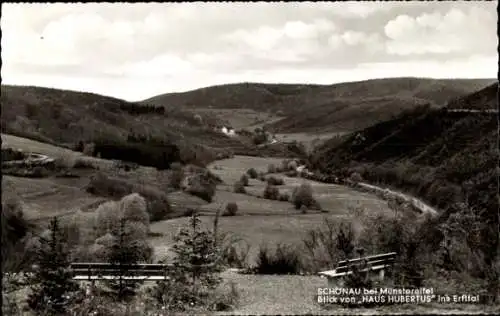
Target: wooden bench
(84,271)
(378,263)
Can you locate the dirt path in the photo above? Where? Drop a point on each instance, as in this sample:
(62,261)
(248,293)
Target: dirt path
(417,203)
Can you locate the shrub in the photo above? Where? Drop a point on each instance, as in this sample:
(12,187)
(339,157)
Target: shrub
(291,173)
(252,173)
(189,212)
(262,176)
(284,260)
(133,207)
(15,228)
(107,217)
(231,209)
(176,175)
(275,181)
(285,197)
(239,187)
(355,177)
(284,164)
(66,161)
(244,179)
(259,138)
(82,163)
(236,256)
(303,209)
(198,119)
(88,149)
(271,192)
(10,287)
(200,185)
(292,165)
(320,246)
(345,239)
(158,205)
(11,154)
(303,195)
(271,168)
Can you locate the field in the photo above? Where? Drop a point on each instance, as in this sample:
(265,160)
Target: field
(295,295)
(260,221)
(46,197)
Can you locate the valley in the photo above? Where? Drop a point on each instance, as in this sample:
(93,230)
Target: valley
(384,160)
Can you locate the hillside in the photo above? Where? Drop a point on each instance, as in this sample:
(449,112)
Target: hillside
(66,118)
(444,157)
(325,108)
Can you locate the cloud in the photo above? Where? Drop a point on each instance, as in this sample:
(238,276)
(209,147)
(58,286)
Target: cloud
(460,30)
(161,47)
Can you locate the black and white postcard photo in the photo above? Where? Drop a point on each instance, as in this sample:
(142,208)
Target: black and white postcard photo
(250,158)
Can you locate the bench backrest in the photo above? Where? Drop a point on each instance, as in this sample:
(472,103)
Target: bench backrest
(376,260)
(112,269)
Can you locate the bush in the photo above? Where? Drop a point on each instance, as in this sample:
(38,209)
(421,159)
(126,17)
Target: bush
(275,181)
(231,209)
(176,175)
(133,207)
(66,161)
(271,192)
(244,180)
(201,185)
(303,209)
(292,165)
(15,228)
(236,256)
(271,168)
(158,205)
(262,176)
(356,177)
(303,195)
(285,197)
(291,173)
(259,138)
(252,173)
(198,119)
(88,149)
(239,187)
(284,164)
(284,260)
(107,217)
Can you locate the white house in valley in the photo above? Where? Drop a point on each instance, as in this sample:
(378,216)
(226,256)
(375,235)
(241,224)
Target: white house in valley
(228,131)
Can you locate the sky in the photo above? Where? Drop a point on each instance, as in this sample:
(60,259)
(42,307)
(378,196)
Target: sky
(136,51)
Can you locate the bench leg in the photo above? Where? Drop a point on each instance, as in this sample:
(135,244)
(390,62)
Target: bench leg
(381,275)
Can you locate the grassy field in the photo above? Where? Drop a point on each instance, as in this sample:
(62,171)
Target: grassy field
(260,221)
(46,197)
(43,198)
(295,294)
